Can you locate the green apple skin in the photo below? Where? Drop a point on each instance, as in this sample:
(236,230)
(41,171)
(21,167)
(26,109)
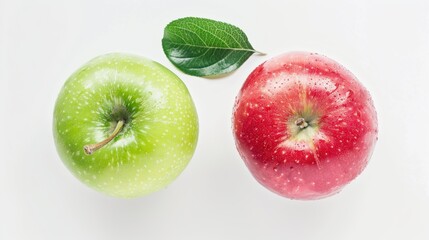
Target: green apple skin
(160,132)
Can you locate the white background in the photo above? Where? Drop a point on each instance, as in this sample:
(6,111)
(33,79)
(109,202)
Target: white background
(385,44)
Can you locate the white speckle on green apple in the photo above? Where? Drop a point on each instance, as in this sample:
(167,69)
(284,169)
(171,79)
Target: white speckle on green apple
(135,119)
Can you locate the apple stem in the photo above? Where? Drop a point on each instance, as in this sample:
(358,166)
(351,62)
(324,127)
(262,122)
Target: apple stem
(91,148)
(301,123)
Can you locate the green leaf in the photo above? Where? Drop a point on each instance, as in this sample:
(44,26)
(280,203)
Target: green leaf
(204,47)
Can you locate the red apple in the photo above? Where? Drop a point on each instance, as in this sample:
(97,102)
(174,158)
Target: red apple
(304,125)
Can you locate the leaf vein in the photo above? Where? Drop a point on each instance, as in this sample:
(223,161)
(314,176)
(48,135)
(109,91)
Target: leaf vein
(212,47)
(187,30)
(214,35)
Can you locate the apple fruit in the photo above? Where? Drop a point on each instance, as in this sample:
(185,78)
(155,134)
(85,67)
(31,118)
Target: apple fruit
(125,125)
(304,125)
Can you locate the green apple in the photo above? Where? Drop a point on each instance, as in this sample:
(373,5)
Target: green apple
(125,125)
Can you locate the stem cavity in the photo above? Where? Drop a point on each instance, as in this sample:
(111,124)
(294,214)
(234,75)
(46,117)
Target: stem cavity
(91,148)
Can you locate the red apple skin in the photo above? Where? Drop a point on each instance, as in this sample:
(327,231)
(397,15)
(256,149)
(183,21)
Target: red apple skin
(320,159)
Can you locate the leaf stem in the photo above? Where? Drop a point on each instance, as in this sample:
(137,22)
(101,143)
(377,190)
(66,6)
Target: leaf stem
(260,53)
(91,148)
